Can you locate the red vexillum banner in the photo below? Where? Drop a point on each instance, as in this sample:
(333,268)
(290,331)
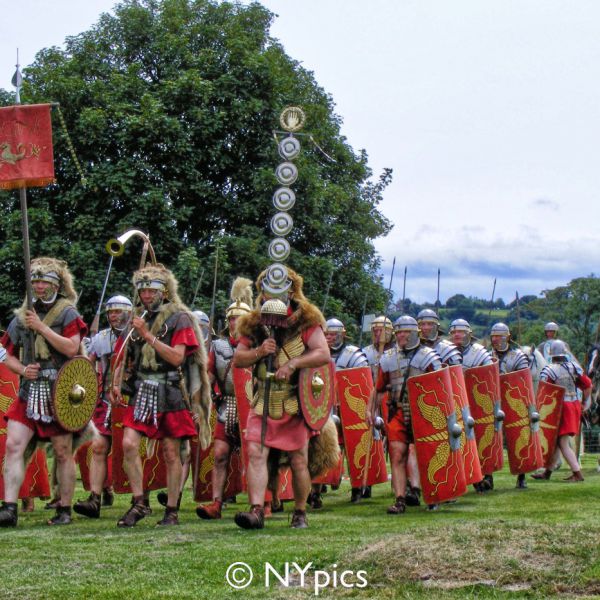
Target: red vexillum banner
(26,154)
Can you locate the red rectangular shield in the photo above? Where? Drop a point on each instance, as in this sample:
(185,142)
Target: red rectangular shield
(36,483)
(203,472)
(549,402)
(155,473)
(468,442)
(364,453)
(521,422)
(483,392)
(437,436)
(26,154)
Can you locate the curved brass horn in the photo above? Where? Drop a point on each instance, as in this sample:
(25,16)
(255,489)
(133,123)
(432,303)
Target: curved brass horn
(116,246)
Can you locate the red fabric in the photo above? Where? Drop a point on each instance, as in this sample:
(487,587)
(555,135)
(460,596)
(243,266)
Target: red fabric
(99,418)
(177,424)
(584,382)
(288,433)
(383,379)
(43,431)
(396,429)
(28,159)
(186,337)
(307,333)
(75,327)
(246,341)
(211,362)
(570,418)
(7,343)
(220,434)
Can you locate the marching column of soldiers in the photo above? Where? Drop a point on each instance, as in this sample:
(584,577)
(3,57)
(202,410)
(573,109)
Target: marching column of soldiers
(162,364)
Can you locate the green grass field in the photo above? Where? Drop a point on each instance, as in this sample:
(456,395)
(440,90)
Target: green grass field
(534,543)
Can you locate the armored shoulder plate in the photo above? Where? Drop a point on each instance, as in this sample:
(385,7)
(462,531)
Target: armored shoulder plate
(423,359)
(223,355)
(448,352)
(513,360)
(102,343)
(564,374)
(475,355)
(351,356)
(222,348)
(371,354)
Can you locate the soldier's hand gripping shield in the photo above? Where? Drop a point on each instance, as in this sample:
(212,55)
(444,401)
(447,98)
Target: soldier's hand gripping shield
(549,402)
(75,393)
(483,392)
(521,422)
(468,442)
(437,436)
(364,448)
(316,392)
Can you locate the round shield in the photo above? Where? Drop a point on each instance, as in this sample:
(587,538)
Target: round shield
(284,198)
(289,147)
(75,393)
(279,249)
(281,223)
(286,173)
(316,391)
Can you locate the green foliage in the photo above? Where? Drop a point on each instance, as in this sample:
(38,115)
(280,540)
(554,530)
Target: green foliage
(171,106)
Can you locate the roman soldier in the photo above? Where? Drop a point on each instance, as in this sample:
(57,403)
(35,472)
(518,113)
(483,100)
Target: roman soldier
(297,342)
(345,356)
(161,363)
(550,333)
(510,358)
(473,353)
(57,331)
(382,334)
(429,330)
(118,312)
(564,372)
(407,358)
(227,432)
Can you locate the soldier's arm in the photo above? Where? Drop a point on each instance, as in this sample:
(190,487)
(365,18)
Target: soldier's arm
(67,346)
(316,355)
(245,356)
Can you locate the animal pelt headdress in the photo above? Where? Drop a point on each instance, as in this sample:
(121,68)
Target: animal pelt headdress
(303,316)
(57,272)
(198,382)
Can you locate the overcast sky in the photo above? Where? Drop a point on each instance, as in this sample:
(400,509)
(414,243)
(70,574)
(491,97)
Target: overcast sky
(488,113)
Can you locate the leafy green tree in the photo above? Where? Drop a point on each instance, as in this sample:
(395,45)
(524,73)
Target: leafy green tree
(171,106)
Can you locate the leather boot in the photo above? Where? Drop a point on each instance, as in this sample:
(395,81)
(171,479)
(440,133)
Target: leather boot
(545,475)
(210,511)
(398,507)
(299,519)
(171,517)
(8,514)
(574,478)
(108,497)
(251,519)
(62,516)
(90,507)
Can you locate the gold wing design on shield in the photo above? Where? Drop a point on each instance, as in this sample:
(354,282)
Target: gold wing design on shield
(522,440)
(433,414)
(355,403)
(483,400)
(5,403)
(547,409)
(439,461)
(362,448)
(516,403)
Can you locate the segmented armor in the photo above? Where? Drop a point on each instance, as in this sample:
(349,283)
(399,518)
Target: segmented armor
(475,355)
(513,359)
(564,374)
(400,365)
(348,357)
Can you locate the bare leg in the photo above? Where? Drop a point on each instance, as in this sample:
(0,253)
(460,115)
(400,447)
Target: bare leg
(186,462)
(18,436)
(257,473)
(65,466)
(300,476)
(398,458)
(100,450)
(413,467)
(132,461)
(173,464)
(219,474)
(567,452)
